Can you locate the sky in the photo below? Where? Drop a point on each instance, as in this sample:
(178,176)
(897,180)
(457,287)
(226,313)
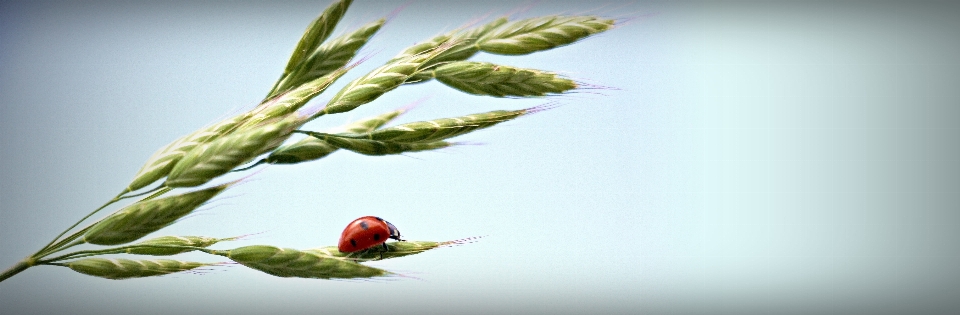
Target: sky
(744,157)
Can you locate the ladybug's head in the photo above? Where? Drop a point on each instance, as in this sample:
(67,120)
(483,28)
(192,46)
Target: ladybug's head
(394,233)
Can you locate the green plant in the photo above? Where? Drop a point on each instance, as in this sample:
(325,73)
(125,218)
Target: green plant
(200,157)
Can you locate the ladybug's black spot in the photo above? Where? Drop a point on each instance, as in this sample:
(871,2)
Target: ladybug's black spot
(353,242)
(376,236)
(364,226)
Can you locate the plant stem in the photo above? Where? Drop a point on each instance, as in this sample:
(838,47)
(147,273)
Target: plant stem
(115,250)
(45,248)
(15,269)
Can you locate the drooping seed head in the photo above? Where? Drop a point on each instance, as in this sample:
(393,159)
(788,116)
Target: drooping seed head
(482,78)
(286,262)
(330,56)
(379,81)
(393,250)
(160,164)
(193,241)
(440,129)
(316,33)
(465,47)
(375,148)
(139,219)
(541,33)
(119,268)
(290,101)
(311,148)
(210,160)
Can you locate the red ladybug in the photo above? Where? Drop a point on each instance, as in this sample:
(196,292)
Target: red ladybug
(367,232)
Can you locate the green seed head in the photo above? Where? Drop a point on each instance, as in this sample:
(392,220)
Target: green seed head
(381,80)
(481,78)
(374,147)
(393,250)
(466,46)
(316,33)
(441,129)
(311,148)
(160,164)
(290,101)
(145,217)
(118,268)
(542,33)
(210,160)
(285,262)
(194,241)
(330,56)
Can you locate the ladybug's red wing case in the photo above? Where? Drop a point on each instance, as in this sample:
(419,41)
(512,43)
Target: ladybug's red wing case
(366,232)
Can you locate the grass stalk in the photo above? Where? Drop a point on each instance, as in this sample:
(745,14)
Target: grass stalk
(208,153)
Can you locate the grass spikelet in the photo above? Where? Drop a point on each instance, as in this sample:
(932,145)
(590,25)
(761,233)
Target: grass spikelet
(292,100)
(482,78)
(316,33)
(440,129)
(222,155)
(375,147)
(160,164)
(139,219)
(286,262)
(118,268)
(379,81)
(466,46)
(329,57)
(541,33)
(193,241)
(393,250)
(312,148)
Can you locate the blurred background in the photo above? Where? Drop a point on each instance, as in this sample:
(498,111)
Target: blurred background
(748,158)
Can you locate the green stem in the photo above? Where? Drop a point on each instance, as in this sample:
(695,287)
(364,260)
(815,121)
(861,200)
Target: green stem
(53,248)
(15,269)
(45,248)
(115,250)
(60,245)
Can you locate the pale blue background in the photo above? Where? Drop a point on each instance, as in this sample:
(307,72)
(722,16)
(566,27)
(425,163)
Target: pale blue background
(756,158)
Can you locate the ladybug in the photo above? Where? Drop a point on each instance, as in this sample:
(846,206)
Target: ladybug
(367,232)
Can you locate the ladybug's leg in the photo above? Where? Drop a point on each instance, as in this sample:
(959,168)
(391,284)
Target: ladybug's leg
(382,250)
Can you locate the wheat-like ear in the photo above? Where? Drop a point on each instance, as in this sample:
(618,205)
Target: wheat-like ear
(374,147)
(536,34)
(172,245)
(218,157)
(316,33)
(441,129)
(312,148)
(466,43)
(392,250)
(482,78)
(145,217)
(119,268)
(330,56)
(286,262)
(160,164)
(379,81)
